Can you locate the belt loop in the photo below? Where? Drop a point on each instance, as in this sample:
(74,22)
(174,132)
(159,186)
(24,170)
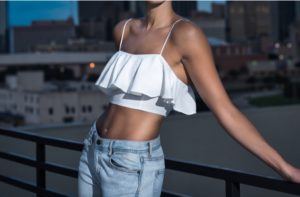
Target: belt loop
(110,148)
(150,148)
(91,135)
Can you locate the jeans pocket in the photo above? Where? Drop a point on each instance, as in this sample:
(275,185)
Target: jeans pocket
(158,182)
(125,162)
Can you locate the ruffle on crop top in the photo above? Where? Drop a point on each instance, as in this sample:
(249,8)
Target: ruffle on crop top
(146,75)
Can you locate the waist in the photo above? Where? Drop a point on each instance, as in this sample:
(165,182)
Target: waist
(119,122)
(125,145)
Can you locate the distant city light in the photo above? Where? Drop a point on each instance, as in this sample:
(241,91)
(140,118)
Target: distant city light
(92,65)
(254,62)
(289,45)
(289,61)
(281,57)
(62,69)
(277,45)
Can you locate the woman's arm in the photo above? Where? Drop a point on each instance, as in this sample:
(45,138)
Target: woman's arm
(198,61)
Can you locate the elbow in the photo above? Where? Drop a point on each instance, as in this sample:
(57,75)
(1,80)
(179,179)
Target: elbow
(226,112)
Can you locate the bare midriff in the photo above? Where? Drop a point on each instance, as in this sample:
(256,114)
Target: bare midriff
(118,122)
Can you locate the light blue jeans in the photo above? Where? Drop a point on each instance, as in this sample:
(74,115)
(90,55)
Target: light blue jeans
(120,168)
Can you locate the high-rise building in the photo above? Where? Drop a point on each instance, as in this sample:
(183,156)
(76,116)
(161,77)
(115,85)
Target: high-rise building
(297,9)
(286,17)
(43,33)
(260,18)
(249,19)
(3,27)
(98,18)
(184,8)
(217,10)
(212,24)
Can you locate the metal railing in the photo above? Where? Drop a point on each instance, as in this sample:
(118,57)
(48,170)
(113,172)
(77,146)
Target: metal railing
(233,178)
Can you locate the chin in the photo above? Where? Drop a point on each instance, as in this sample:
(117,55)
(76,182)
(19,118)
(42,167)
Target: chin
(155,2)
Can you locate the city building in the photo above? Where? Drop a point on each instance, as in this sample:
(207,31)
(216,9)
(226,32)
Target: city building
(255,22)
(287,16)
(212,24)
(77,45)
(4,27)
(295,38)
(263,68)
(234,57)
(184,8)
(98,18)
(43,33)
(27,94)
(248,19)
(80,63)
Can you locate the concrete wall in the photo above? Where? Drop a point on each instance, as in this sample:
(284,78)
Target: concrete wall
(197,138)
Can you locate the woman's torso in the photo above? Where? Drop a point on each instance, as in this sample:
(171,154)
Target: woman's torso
(119,122)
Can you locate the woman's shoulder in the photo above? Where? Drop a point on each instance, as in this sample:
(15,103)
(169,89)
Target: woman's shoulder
(185,28)
(186,33)
(118,29)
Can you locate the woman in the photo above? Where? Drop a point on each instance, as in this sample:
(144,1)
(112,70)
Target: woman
(147,78)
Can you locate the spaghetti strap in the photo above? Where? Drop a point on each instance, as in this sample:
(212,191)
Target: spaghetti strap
(123,33)
(169,34)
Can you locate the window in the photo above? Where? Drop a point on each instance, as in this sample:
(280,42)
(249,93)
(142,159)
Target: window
(90,108)
(228,51)
(67,109)
(25,97)
(218,51)
(50,110)
(83,109)
(73,110)
(237,51)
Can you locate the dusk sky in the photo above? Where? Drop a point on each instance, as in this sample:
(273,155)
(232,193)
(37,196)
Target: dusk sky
(23,12)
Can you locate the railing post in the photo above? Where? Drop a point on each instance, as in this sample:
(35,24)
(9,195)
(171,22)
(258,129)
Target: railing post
(232,189)
(40,174)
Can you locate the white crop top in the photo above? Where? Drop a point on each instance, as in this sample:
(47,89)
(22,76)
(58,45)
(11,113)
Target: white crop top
(145,82)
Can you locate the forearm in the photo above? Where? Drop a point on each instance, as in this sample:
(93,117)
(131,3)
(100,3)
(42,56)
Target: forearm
(243,131)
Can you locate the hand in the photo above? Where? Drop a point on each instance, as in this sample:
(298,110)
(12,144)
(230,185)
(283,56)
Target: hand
(291,175)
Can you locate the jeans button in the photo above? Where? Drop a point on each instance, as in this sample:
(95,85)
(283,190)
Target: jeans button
(99,142)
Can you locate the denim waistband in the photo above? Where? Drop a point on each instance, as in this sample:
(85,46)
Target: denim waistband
(125,145)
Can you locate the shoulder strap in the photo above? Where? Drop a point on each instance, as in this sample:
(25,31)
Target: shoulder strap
(169,34)
(123,33)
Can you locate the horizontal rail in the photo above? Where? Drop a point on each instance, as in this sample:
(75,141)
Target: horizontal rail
(166,193)
(232,175)
(52,167)
(32,187)
(57,142)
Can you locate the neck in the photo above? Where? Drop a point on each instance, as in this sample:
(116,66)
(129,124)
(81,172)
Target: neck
(158,14)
